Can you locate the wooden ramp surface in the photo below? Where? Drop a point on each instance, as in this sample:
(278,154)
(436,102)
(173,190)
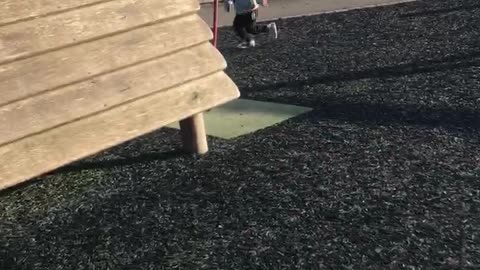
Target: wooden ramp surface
(80,76)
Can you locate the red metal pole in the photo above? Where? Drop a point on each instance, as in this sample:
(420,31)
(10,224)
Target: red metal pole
(215,22)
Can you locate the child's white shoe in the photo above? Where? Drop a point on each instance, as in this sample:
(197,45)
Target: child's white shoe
(245,45)
(242,45)
(228,5)
(272,31)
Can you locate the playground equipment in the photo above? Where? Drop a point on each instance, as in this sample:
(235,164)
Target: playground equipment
(215,22)
(80,76)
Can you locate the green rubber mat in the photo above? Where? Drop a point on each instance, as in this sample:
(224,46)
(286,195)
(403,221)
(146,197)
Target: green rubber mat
(243,116)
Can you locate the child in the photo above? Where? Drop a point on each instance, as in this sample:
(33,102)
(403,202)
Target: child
(245,23)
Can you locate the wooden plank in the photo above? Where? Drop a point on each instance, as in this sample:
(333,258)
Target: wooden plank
(33,75)
(53,108)
(30,37)
(48,150)
(15,10)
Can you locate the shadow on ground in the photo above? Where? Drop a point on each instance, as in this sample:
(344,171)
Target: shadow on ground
(448,63)
(383,174)
(119,162)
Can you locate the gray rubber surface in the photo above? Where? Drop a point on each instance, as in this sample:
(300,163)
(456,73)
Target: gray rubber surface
(383,174)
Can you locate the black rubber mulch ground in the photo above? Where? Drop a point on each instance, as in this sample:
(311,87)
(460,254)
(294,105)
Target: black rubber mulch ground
(383,174)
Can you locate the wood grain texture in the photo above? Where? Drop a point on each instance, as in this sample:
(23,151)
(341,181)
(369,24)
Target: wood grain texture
(80,76)
(51,149)
(16,10)
(53,108)
(31,37)
(31,76)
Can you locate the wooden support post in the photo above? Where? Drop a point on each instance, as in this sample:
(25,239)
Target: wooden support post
(193,134)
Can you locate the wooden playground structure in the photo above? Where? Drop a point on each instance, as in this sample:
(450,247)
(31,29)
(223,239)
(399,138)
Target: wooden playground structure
(81,76)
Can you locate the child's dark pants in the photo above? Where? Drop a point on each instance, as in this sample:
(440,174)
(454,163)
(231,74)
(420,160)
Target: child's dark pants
(246,27)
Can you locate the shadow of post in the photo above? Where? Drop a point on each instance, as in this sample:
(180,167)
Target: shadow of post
(124,161)
(409,114)
(466,120)
(436,65)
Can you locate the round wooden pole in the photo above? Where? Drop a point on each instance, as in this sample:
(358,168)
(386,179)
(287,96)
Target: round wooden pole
(215,22)
(194,136)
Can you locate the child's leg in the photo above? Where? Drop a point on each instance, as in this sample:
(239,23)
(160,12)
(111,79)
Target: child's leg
(240,24)
(252,26)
